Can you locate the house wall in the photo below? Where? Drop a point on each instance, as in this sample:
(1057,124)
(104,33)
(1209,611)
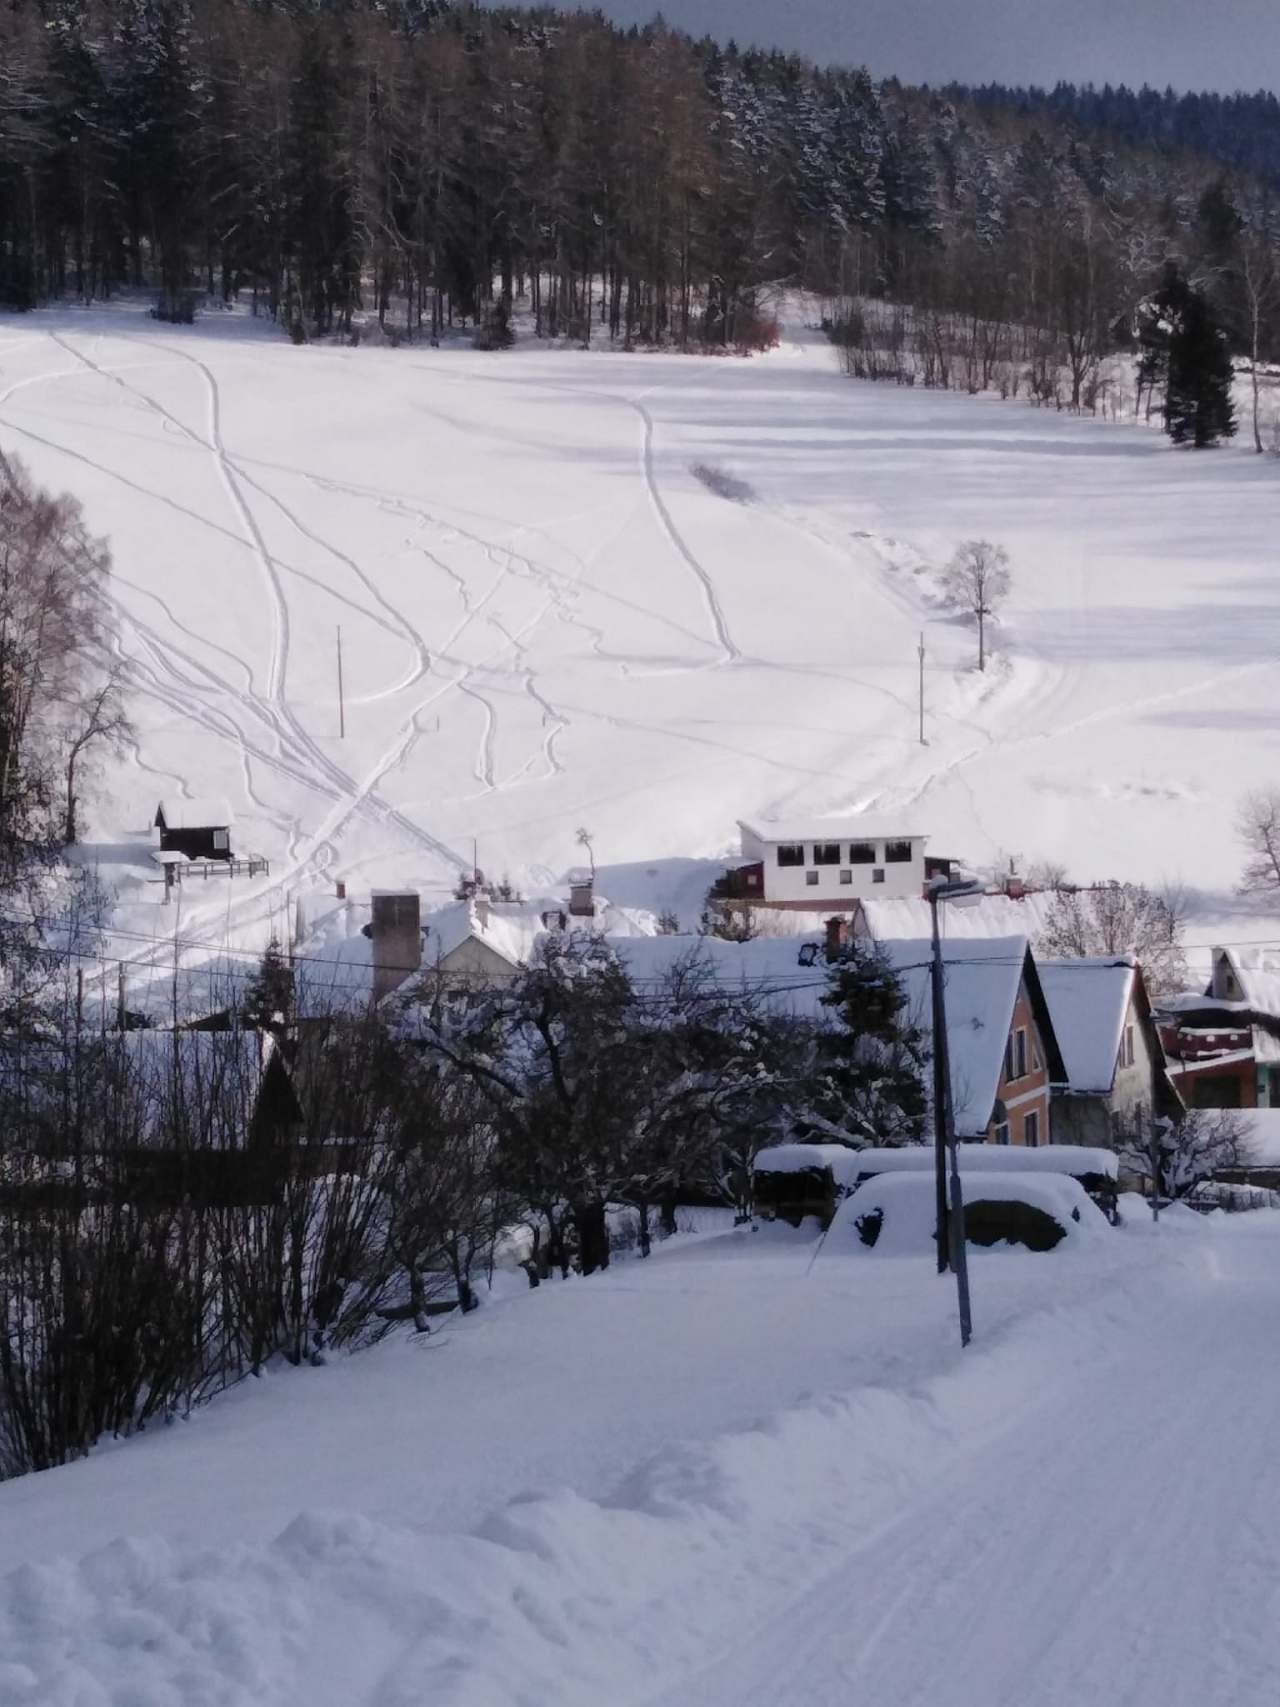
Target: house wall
(1030,1092)
(473,965)
(788,885)
(1219,1084)
(1082,1120)
(197,844)
(1134,1088)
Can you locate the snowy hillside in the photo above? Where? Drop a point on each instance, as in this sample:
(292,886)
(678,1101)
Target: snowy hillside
(552,616)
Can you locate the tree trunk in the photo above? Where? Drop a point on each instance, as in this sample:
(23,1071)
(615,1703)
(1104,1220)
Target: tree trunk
(593,1237)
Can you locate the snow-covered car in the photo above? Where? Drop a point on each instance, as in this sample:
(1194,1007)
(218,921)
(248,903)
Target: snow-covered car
(792,1181)
(894,1213)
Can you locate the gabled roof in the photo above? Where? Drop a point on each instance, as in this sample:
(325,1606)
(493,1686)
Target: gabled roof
(209,812)
(512,928)
(982,982)
(1088,1000)
(983,976)
(1258,975)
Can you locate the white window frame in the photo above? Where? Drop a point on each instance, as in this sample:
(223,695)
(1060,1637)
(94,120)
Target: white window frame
(1031,1129)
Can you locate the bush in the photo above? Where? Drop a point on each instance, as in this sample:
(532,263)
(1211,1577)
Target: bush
(176,307)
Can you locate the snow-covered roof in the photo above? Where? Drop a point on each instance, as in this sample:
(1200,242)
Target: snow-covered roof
(844,1162)
(854,829)
(1088,1000)
(989,915)
(512,928)
(197,813)
(982,979)
(1072,1159)
(1258,975)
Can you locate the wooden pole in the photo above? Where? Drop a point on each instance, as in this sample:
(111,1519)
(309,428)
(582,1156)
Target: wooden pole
(342,707)
(920,652)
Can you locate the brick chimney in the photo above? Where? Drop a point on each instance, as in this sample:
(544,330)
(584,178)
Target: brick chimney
(396,929)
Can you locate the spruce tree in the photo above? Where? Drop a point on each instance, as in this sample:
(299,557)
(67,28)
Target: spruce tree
(1198,406)
(268,996)
(1183,343)
(872,1062)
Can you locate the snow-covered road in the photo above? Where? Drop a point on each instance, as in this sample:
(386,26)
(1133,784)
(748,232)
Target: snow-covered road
(1081,1509)
(1117,1542)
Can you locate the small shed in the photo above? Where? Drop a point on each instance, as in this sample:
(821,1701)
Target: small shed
(198,828)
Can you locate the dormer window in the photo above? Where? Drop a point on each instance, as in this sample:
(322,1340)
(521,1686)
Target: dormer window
(897,853)
(791,853)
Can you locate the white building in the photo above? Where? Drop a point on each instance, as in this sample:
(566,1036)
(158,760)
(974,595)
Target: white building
(830,863)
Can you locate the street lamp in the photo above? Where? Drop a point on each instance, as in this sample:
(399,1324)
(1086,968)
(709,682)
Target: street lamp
(959,892)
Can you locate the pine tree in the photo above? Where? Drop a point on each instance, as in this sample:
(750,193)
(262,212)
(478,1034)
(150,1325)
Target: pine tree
(268,997)
(872,1063)
(1185,338)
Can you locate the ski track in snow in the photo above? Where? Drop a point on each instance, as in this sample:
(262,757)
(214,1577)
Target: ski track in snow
(292,752)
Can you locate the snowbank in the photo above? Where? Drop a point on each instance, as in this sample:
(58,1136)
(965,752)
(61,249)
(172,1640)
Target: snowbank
(555,1599)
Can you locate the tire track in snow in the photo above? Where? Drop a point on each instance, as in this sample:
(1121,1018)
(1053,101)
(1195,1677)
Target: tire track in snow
(483,765)
(711,598)
(392,620)
(278,664)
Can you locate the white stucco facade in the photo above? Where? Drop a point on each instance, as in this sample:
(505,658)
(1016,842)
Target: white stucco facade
(838,862)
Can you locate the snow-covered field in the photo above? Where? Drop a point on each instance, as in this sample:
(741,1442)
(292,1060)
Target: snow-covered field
(549,619)
(733,1474)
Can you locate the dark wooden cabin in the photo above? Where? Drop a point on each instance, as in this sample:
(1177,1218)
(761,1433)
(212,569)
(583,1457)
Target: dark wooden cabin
(200,829)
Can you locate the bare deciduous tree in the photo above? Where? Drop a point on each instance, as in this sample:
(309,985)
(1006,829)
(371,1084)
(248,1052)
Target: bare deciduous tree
(1171,1156)
(1258,826)
(976,581)
(1119,918)
(96,716)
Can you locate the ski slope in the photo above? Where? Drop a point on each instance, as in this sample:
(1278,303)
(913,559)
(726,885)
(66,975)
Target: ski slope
(549,619)
(730,1475)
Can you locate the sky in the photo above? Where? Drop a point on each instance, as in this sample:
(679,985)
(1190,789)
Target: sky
(1191,44)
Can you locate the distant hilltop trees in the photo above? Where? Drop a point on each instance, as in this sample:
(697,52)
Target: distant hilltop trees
(431,163)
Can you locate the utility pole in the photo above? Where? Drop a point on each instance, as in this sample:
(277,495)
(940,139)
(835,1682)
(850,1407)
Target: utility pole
(342,706)
(920,654)
(941,1088)
(952,1249)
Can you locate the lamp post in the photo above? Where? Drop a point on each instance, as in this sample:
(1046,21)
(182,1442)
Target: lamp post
(949,1206)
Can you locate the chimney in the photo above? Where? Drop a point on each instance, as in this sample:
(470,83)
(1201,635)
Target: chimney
(582,902)
(480,908)
(396,929)
(837,939)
